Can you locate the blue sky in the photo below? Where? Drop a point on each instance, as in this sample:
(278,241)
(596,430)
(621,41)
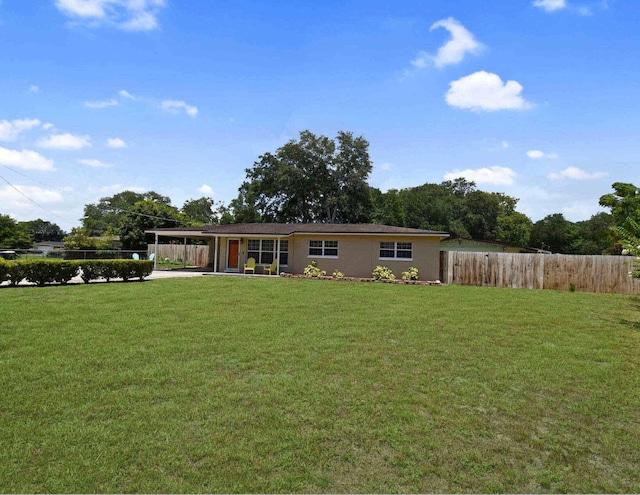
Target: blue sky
(537,99)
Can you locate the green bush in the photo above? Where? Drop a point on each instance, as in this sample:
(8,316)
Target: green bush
(4,270)
(15,271)
(42,272)
(312,270)
(383,273)
(108,269)
(90,270)
(410,274)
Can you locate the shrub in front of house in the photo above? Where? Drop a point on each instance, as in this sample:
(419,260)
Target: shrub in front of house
(312,270)
(410,274)
(383,273)
(337,274)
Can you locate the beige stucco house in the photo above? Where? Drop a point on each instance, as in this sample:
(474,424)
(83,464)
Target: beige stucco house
(354,249)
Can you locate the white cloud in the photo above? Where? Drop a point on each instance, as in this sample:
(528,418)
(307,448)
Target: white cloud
(16,199)
(174,106)
(10,130)
(205,189)
(33,88)
(94,163)
(574,173)
(48,126)
(537,154)
(454,50)
(130,15)
(126,94)
(116,143)
(141,21)
(386,166)
(82,8)
(64,142)
(102,104)
(550,5)
(486,91)
(26,159)
(505,145)
(497,176)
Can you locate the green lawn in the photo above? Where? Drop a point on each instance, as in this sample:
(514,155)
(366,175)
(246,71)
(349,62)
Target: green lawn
(220,384)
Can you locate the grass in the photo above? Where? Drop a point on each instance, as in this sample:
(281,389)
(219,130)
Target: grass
(219,384)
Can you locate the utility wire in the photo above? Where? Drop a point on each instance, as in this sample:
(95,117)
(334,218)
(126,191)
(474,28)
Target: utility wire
(34,202)
(121,210)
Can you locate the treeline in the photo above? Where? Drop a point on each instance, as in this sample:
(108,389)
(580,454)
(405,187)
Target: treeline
(323,180)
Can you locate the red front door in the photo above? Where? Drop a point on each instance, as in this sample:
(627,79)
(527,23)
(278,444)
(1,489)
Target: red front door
(232,254)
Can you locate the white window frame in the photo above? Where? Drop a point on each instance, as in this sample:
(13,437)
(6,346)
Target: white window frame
(277,249)
(323,247)
(395,251)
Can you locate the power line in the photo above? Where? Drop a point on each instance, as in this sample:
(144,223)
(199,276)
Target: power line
(121,210)
(33,201)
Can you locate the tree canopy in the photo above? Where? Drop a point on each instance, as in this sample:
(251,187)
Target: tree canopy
(312,179)
(42,230)
(13,235)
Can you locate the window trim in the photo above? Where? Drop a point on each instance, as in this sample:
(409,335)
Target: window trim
(277,249)
(395,251)
(324,247)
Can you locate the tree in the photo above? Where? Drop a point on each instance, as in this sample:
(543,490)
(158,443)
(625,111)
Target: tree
(199,211)
(41,230)
(145,215)
(629,233)
(514,228)
(388,208)
(624,203)
(108,212)
(314,179)
(595,236)
(81,239)
(13,235)
(554,233)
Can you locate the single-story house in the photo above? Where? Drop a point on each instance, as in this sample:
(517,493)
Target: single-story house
(353,249)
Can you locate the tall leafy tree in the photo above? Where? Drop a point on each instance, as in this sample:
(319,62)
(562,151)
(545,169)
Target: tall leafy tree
(595,236)
(144,215)
(514,228)
(554,233)
(108,212)
(199,211)
(312,179)
(624,202)
(42,230)
(13,235)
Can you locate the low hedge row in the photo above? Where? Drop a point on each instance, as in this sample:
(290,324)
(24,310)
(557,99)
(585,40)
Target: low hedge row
(43,272)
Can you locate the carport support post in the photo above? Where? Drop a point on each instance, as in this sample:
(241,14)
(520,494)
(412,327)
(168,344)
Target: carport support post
(215,254)
(155,258)
(185,252)
(278,257)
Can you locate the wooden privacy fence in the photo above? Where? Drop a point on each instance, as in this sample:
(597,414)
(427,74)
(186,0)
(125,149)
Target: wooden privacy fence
(194,255)
(539,271)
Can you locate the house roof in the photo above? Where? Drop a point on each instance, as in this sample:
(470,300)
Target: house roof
(287,229)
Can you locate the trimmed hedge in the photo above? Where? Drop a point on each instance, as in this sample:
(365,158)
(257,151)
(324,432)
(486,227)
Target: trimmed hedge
(43,272)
